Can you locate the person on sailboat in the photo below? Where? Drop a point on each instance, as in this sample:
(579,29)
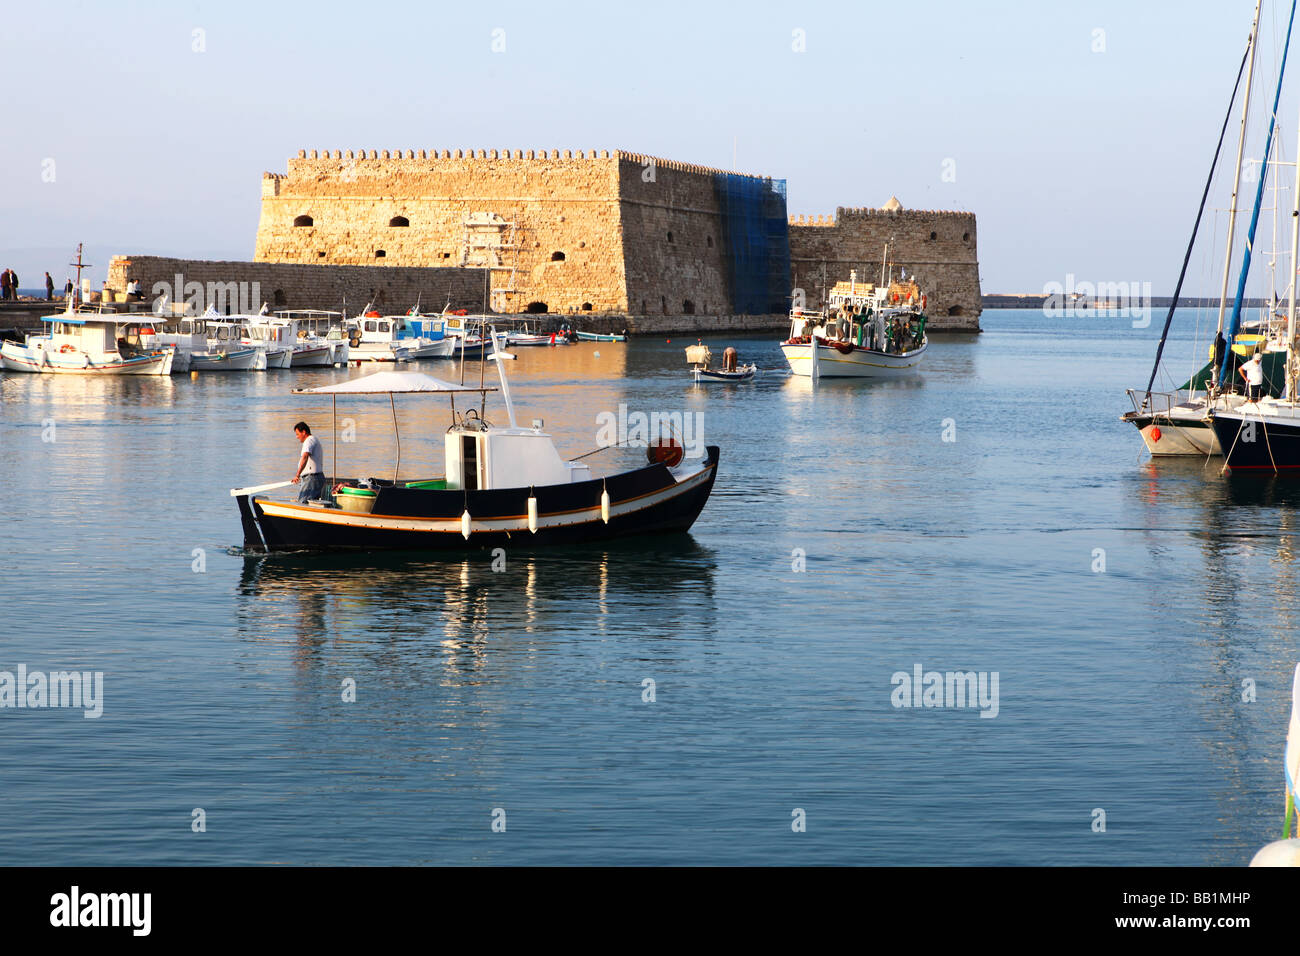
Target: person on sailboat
(311,468)
(1253,372)
(1220,349)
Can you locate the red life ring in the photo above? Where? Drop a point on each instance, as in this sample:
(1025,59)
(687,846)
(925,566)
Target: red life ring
(66,348)
(664,451)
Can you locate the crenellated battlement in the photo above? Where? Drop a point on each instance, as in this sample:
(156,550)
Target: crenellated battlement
(426,156)
(867,212)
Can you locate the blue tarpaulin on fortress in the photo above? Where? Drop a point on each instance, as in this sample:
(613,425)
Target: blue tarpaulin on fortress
(757,251)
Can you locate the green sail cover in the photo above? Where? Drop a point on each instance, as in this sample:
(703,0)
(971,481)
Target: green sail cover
(1274,373)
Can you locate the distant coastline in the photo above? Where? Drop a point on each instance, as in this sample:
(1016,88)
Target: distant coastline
(1037,301)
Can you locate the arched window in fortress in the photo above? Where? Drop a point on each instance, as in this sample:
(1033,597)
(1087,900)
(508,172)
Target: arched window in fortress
(557,256)
(934,236)
(303,221)
(586,307)
(279,297)
(399,221)
(670,236)
(965,237)
(709,240)
(688,307)
(536,307)
(956,310)
(380,253)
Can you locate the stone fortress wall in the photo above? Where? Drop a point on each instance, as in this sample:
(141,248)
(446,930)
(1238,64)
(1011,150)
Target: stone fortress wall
(627,240)
(938,248)
(236,286)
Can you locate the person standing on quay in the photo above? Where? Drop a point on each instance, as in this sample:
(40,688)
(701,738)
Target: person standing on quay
(13,284)
(311,468)
(4,285)
(49,288)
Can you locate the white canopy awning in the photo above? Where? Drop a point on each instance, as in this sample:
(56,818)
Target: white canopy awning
(382,383)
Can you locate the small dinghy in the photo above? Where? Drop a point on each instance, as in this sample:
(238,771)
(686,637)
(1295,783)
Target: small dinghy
(701,358)
(600,337)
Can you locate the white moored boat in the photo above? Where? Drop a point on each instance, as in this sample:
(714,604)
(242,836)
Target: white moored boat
(87,343)
(373,337)
(866,332)
(318,335)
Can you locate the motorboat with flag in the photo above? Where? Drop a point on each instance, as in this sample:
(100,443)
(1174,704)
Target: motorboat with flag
(502,486)
(867,331)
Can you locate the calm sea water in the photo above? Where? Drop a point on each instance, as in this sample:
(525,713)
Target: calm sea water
(1119,689)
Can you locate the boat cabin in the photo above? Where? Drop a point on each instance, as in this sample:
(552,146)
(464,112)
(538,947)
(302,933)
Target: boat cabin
(271,333)
(317,322)
(483,460)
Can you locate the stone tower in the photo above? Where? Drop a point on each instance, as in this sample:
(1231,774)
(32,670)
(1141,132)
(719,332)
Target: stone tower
(936,248)
(571,232)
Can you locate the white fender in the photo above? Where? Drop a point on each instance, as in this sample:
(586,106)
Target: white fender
(464,524)
(532,514)
(604,506)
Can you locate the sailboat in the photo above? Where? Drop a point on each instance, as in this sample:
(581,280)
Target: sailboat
(1178,422)
(1263,433)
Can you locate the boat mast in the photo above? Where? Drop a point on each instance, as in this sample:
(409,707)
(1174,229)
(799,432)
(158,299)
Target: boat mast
(1235,322)
(1236,179)
(1290,309)
(1196,226)
(76,293)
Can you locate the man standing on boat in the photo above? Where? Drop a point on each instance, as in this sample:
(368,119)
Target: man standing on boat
(311,469)
(1254,374)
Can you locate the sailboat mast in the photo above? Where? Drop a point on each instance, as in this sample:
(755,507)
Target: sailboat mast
(1236,179)
(1235,322)
(1196,226)
(1290,309)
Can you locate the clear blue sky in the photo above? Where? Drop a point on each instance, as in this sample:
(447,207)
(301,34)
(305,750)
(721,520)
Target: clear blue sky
(1075,161)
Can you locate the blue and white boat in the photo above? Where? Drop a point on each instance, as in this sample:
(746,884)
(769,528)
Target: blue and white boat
(87,343)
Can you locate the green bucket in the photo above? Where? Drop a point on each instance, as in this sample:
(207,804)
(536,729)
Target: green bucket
(437,484)
(359,492)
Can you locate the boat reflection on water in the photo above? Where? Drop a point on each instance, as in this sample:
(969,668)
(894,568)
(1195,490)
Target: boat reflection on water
(664,587)
(1239,619)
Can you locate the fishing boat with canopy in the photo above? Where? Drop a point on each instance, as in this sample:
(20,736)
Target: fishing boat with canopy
(867,331)
(502,486)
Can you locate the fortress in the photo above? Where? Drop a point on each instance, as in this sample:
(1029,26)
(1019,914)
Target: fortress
(639,242)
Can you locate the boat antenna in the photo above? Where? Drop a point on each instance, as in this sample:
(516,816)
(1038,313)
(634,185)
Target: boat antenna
(1187,257)
(1235,322)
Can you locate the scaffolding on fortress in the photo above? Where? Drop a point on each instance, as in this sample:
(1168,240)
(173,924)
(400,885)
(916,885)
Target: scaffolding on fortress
(757,251)
(491,242)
